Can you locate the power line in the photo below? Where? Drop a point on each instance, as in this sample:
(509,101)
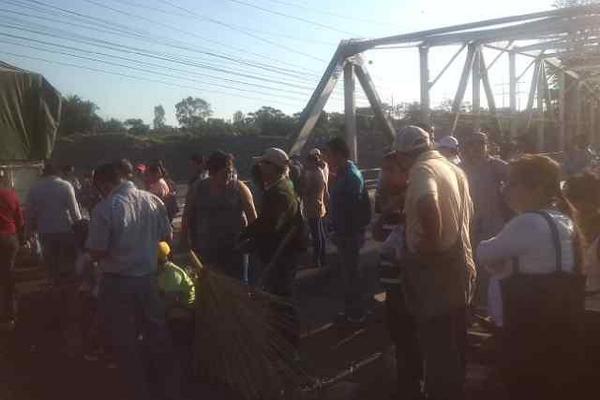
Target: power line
(143,53)
(183,46)
(188,15)
(96,20)
(135,77)
(149,71)
(294,17)
(239,30)
(144,63)
(108,25)
(329,13)
(132,15)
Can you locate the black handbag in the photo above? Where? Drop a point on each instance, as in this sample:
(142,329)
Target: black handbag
(543,318)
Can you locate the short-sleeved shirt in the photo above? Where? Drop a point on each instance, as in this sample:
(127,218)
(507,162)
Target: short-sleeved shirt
(52,206)
(433,174)
(128,225)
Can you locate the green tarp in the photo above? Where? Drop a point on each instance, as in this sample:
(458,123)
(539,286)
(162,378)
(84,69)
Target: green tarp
(29,115)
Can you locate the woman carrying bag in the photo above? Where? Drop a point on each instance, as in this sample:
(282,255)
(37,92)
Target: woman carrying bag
(538,298)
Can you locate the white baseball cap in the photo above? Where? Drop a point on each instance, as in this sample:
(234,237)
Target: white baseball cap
(315,152)
(275,156)
(447,142)
(411,138)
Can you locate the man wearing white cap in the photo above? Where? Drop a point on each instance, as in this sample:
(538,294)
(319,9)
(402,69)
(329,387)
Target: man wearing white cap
(276,247)
(448,147)
(438,264)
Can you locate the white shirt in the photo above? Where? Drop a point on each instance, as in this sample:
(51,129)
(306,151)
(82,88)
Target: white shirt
(52,206)
(528,238)
(128,225)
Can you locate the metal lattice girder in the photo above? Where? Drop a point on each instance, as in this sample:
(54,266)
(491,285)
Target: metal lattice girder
(567,39)
(369,88)
(470,29)
(501,29)
(350,110)
(319,98)
(563,43)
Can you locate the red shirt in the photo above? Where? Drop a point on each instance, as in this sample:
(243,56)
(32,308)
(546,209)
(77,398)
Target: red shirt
(11,216)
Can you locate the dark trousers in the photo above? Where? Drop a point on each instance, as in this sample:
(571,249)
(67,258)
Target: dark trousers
(130,306)
(9,246)
(280,282)
(317,232)
(443,341)
(352,276)
(59,252)
(403,331)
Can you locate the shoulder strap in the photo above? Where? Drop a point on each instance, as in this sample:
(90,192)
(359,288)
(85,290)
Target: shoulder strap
(555,237)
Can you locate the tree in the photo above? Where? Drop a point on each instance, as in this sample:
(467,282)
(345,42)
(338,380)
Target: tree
(218,126)
(112,125)
(238,117)
(159,117)
(191,112)
(136,126)
(78,115)
(271,122)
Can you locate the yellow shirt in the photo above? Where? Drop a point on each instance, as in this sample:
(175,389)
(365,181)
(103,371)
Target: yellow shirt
(433,174)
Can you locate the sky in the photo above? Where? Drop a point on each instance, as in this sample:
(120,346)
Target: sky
(235,54)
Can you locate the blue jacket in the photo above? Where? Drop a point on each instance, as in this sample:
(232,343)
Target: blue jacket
(345,196)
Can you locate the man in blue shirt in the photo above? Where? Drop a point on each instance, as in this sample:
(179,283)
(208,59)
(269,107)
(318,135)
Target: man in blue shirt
(124,233)
(346,196)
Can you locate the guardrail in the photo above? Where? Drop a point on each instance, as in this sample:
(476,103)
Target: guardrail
(371,177)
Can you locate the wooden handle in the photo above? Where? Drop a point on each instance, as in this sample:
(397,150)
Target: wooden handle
(196,263)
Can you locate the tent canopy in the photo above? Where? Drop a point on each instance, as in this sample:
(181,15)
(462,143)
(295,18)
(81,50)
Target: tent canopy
(29,115)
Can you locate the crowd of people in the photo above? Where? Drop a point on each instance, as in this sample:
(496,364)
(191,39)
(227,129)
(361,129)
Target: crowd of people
(464,234)
(468,235)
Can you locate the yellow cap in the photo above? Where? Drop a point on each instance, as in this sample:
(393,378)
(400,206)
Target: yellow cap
(163,251)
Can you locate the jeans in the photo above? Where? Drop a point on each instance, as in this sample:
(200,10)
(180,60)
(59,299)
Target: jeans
(59,252)
(317,231)
(443,341)
(9,246)
(352,276)
(403,331)
(130,306)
